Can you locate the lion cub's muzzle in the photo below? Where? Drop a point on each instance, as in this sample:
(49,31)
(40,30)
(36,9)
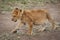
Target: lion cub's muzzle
(14,20)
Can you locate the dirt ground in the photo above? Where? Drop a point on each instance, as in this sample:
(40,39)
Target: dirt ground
(6,25)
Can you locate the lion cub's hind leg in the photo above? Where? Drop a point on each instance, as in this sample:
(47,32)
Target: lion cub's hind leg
(52,21)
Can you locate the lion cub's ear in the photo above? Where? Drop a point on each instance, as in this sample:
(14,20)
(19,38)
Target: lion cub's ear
(16,8)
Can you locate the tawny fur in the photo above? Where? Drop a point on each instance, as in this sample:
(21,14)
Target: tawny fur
(31,17)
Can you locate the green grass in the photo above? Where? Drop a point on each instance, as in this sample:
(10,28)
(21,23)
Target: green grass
(7,4)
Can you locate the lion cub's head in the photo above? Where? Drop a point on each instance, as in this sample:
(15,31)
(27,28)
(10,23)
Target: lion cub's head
(16,14)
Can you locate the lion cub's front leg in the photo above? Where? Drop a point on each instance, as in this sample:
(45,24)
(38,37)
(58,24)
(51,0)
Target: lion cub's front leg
(30,28)
(16,28)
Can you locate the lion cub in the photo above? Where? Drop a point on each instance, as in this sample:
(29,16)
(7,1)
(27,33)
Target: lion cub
(31,17)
